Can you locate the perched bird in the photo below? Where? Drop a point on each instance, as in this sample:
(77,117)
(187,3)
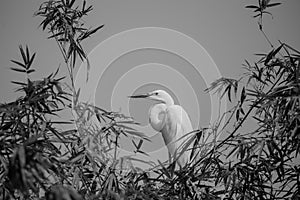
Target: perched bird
(172,121)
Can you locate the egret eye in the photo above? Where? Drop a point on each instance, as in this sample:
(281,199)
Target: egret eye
(156,93)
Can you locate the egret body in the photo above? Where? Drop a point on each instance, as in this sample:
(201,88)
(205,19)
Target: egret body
(171,120)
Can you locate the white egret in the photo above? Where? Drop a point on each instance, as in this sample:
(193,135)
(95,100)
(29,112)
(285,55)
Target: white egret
(171,120)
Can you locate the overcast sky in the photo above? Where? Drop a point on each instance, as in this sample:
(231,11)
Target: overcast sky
(225,29)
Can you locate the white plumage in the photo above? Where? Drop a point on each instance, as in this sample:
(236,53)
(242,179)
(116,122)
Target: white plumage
(171,120)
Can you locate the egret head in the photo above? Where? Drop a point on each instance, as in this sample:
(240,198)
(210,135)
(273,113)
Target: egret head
(160,96)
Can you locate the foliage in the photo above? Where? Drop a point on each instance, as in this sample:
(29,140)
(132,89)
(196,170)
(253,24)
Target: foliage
(42,157)
(65,24)
(45,158)
(28,151)
(263,162)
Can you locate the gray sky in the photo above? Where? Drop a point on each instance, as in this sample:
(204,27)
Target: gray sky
(225,29)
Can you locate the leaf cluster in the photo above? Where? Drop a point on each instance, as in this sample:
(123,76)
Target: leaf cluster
(264,162)
(27,151)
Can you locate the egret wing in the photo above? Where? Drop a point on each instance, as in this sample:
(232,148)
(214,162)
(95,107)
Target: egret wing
(177,125)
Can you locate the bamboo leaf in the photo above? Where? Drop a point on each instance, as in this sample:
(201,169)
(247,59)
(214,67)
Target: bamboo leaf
(138,134)
(57,34)
(30,71)
(18,63)
(18,70)
(273,4)
(243,95)
(140,144)
(27,55)
(252,6)
(237,115)
(19,83)
(229,93)
(31,61)
(96,29)
(23,54)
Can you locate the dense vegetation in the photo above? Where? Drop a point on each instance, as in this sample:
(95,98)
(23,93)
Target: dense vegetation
(41,160)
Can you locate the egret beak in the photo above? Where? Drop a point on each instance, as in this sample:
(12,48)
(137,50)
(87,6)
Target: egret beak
(140,96)
(149,95)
